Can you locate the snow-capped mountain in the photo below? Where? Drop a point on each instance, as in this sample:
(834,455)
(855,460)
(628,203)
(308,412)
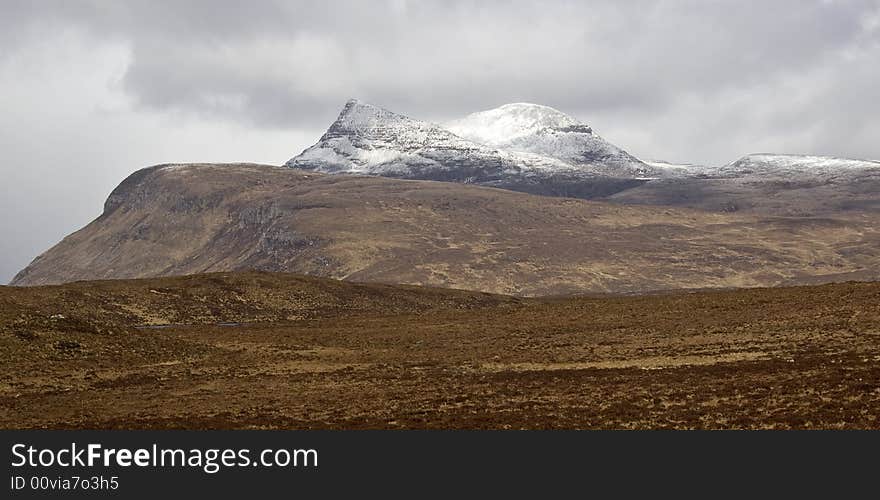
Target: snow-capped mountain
(545,152)
(540,150)
(542,130)
(796,167)
(366,139)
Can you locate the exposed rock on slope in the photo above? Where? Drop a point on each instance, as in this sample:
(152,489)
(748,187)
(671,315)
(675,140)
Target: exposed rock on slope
(184,219)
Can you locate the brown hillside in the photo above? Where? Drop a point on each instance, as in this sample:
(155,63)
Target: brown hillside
(173,220)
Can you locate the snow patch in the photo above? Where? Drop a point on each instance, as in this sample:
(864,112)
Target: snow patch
(507,123)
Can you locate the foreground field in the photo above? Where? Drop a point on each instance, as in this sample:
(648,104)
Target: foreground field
(261,350)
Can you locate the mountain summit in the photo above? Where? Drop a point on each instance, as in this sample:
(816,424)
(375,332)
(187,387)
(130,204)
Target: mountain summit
(367,139)
(505,124)
(523,147)
(542,130)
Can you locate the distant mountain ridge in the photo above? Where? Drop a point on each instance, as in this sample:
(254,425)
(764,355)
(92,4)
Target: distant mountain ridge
(771,184)
(789,166)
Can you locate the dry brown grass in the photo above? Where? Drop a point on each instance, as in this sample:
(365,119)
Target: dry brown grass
(323,354)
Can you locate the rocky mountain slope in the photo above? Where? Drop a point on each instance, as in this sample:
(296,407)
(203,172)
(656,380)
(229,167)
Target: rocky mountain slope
(184,219)
(545,152)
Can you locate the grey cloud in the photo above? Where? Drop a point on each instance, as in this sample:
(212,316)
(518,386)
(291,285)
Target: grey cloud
(283,64)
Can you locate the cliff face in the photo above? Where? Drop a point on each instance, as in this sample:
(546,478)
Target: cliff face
(178,219)
(185,219)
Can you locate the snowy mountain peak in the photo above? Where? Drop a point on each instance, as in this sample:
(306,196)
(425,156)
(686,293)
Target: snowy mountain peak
(542,130)
(521,146)
(511,121)
(367,139)
(361,118)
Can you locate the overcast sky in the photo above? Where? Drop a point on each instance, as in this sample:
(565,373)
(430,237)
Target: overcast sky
(91,91)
